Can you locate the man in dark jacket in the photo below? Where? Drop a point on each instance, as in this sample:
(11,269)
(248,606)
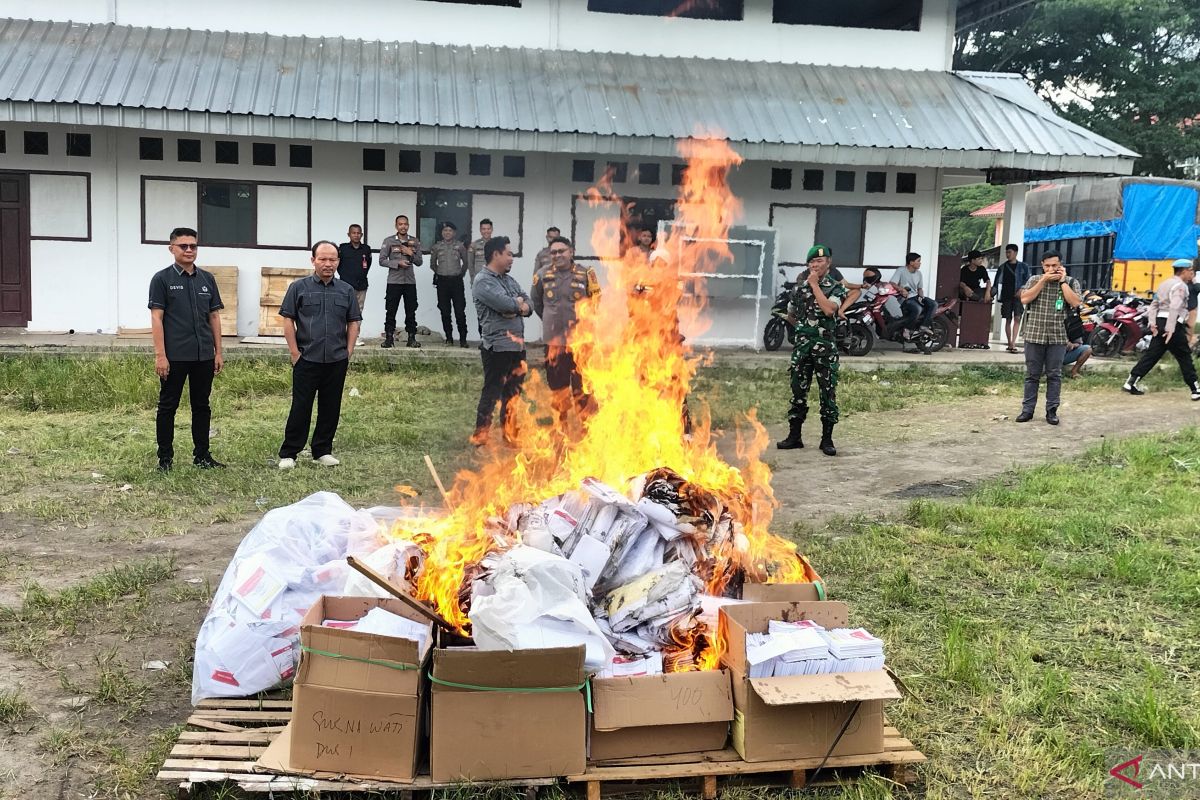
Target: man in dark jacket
(354,259)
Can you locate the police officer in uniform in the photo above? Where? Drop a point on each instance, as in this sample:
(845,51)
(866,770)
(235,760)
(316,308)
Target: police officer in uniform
(399,254)
(556,290)
(448,260)
(814,308)
(476,259)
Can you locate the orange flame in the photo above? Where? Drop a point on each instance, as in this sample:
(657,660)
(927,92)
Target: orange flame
(638,369)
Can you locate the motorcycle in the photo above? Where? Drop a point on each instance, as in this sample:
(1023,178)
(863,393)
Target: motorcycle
(778,328)
(1122,329)
(880,317)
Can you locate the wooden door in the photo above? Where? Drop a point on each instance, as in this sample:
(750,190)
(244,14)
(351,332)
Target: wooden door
(16,304)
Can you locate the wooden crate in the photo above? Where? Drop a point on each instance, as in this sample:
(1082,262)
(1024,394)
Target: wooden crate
(227,285)
(224,739)
(275,283)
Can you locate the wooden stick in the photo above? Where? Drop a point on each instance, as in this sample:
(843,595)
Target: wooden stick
(438,481)
(383,583)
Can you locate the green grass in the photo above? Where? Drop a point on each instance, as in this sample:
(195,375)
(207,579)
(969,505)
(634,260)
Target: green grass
(1048,617)
(13,707)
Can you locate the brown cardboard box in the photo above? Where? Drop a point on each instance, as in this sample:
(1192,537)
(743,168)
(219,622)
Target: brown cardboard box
(800,716)
(683,712)
(498,735)
(779,592)
(356,715)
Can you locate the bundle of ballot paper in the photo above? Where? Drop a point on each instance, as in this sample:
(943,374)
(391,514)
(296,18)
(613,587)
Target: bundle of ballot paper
(806,648)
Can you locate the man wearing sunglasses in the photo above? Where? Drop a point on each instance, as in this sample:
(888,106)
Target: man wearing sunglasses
(185,322)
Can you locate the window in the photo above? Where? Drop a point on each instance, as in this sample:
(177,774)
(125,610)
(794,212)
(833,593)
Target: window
(677,171)
(445,163)
(479,164)
(150,148)
(892,15)
(37,143)
(514,166)
(841,228)
(373,159)
(300,155)
(262,154)
(781,178)
(227,152)
(60,206)
(876,182)
(427,208)
(436,206)
(587,213)
(3,142)
(814,180)
(508,3)
(695,9)
(79,144)
(617,171)
(188,150)
(906,183)
(583,171)
(227,214)
(410,160)
(648,174)
(843,181)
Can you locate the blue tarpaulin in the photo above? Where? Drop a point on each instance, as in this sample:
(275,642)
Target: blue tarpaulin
(1158,222)
(1071,230)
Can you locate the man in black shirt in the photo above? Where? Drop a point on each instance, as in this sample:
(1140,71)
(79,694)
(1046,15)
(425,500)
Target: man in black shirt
(973,281)
(186,326)
(354,259)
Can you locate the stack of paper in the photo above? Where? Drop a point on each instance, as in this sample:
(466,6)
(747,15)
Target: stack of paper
(855,649)
(806,648)
(381,622)
(633,666)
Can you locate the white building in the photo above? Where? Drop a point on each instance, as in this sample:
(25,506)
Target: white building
(268,125)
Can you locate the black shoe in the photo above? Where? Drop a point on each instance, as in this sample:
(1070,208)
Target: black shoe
(388,340)
(208,462)
(793,440)
(449,339)
(1025,416)
(462,341)
(1131,386)
(165,464)
(827,439)
(412,341)
(1052,416)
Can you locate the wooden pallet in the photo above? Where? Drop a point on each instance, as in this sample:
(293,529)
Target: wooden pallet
(224,739)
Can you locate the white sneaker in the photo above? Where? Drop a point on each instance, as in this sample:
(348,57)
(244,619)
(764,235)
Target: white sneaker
(287,463)
(328,460)
(359,342)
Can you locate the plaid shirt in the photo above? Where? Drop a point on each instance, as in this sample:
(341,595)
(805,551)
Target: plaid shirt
(1043,323)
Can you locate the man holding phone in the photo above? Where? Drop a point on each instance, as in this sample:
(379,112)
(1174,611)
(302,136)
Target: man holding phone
(1046,298)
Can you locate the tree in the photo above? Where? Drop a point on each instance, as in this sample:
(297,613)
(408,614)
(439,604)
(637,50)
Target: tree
(960,231)
(1126,69)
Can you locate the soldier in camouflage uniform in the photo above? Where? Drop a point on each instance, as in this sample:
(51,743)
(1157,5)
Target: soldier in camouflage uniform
(814,309)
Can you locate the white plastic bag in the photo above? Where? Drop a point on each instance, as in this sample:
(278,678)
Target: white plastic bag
(250,640)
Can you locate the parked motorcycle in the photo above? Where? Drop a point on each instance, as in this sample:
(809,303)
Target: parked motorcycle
(1122,329)
(778,328)
(868,321)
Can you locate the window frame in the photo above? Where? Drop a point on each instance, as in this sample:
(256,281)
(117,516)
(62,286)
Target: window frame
(200,181)
(87,176)
(837,259)
(419,189)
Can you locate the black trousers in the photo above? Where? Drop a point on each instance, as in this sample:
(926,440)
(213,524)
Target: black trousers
(324,382)
(452,295)
(1176,346)
(391,302)
(503,375)
(199,377)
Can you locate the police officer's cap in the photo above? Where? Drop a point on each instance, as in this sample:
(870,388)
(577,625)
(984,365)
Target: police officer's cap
(819,251)
(450,225)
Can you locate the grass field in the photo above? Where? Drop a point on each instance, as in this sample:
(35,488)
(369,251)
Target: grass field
(1041,621)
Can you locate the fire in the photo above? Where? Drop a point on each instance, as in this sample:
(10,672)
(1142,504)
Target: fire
(638,370)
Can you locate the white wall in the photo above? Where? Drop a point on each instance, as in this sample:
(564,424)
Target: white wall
(552,24)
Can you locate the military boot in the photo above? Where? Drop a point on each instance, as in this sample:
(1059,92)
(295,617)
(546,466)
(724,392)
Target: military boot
(412,341)
(793,440)
(827,439)
(389,339)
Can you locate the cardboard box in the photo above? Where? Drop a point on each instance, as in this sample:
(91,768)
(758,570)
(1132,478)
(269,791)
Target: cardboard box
(358,715)
(682,712)
(800,716)
(780,592)
(492,734)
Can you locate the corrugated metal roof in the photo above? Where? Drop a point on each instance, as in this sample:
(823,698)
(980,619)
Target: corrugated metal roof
(550,100)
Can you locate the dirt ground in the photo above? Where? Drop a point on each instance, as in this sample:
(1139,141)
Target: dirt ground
(885,460)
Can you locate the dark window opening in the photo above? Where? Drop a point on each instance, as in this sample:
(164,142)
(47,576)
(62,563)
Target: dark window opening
(814,180)
(906,183)
(300,155)
(374,159)
(150,148)
(617,171)
(514,166)
(781,178)
(227,152)
(410,160)
(79,144)
(3,142)
(583,171)
(876,182)
(648,174)
(436,206)
(843,181)
(188,150)
(841,229)
(479,164)
(693,9)
(227,214)
(892,15)
(677,171)
(445,163)
(263,154)
(506,3)
(649,212)
(37,143)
